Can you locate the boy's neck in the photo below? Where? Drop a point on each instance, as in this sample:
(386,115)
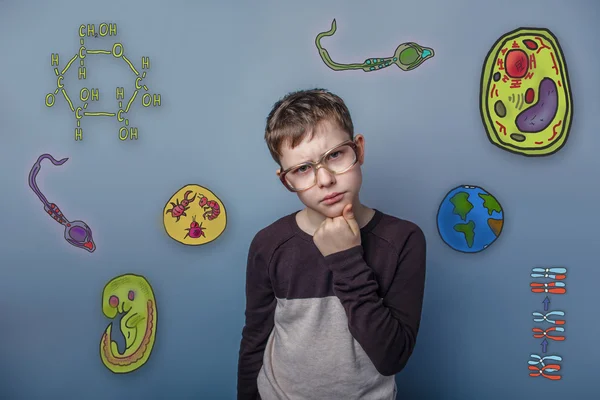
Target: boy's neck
(309,220)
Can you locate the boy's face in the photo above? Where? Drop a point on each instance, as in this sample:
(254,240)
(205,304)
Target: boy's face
(326,136)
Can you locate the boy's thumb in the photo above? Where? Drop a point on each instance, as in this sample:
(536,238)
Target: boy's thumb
(349,217)
(348,211)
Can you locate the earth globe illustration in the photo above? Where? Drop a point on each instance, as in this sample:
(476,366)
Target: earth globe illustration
(469,219)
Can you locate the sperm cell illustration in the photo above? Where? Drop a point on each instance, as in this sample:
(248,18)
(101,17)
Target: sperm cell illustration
(77,233)
(407,56)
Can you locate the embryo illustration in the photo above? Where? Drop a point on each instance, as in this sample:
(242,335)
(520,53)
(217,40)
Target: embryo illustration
(127,342)
(77,233)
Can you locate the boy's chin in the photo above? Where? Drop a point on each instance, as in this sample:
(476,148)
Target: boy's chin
(332,211)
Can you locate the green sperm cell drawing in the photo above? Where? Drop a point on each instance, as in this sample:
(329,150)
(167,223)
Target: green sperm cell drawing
(407,56)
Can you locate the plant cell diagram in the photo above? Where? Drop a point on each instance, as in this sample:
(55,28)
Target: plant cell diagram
(525,101)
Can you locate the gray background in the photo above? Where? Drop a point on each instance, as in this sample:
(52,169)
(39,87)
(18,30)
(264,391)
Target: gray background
(219,67)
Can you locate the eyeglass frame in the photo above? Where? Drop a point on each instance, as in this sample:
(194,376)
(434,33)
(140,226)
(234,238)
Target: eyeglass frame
(319,164)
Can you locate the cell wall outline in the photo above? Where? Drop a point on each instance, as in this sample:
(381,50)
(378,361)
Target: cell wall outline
(92,94)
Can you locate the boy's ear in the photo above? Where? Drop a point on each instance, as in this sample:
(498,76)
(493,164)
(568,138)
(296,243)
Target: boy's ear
(278,172)
(360,141)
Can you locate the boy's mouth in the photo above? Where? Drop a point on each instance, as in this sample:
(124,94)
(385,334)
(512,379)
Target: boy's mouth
(333,198)
(330,196)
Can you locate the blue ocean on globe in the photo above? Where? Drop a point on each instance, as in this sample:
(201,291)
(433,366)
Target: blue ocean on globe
(470,219)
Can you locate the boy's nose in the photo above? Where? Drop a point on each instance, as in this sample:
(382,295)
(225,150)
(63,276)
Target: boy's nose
(324,177)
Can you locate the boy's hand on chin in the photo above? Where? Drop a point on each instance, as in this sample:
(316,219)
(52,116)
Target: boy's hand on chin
(338,234)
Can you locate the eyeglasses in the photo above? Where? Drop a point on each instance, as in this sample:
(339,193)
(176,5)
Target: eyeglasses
(336,160)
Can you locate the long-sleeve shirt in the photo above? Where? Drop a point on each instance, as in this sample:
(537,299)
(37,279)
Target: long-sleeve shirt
(335,327)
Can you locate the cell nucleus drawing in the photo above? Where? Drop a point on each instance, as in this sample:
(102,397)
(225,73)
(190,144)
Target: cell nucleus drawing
(194,216)
(469,219)
(525,101)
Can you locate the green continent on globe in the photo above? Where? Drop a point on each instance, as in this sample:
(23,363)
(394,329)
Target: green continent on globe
(468,230)
(462,206)
(490,203)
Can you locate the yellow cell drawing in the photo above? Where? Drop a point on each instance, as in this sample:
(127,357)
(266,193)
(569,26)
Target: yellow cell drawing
(131,298)
(194,216)
(526,103)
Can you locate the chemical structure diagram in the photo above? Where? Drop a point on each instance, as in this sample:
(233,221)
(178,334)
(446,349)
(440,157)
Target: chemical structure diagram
(87,96)
(548,365)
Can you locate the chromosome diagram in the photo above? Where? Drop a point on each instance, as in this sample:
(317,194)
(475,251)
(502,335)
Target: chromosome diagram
(525,100)
(407,56)
(552,322)
(88,96)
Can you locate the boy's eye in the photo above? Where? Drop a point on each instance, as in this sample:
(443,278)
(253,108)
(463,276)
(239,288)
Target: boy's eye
(302,169)
(335,154)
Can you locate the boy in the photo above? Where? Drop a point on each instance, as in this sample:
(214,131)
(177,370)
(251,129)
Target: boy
(334,291)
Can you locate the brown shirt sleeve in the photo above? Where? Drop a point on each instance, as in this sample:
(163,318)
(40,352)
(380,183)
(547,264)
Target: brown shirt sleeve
(260,309)
(385,328)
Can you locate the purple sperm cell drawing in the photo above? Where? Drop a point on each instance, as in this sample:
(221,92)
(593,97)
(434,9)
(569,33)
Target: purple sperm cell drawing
(77,233)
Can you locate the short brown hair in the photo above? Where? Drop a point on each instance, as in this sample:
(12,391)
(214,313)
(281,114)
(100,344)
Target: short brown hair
(298,113)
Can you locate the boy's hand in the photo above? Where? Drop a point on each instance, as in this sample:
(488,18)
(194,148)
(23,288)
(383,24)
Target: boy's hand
(338,234)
